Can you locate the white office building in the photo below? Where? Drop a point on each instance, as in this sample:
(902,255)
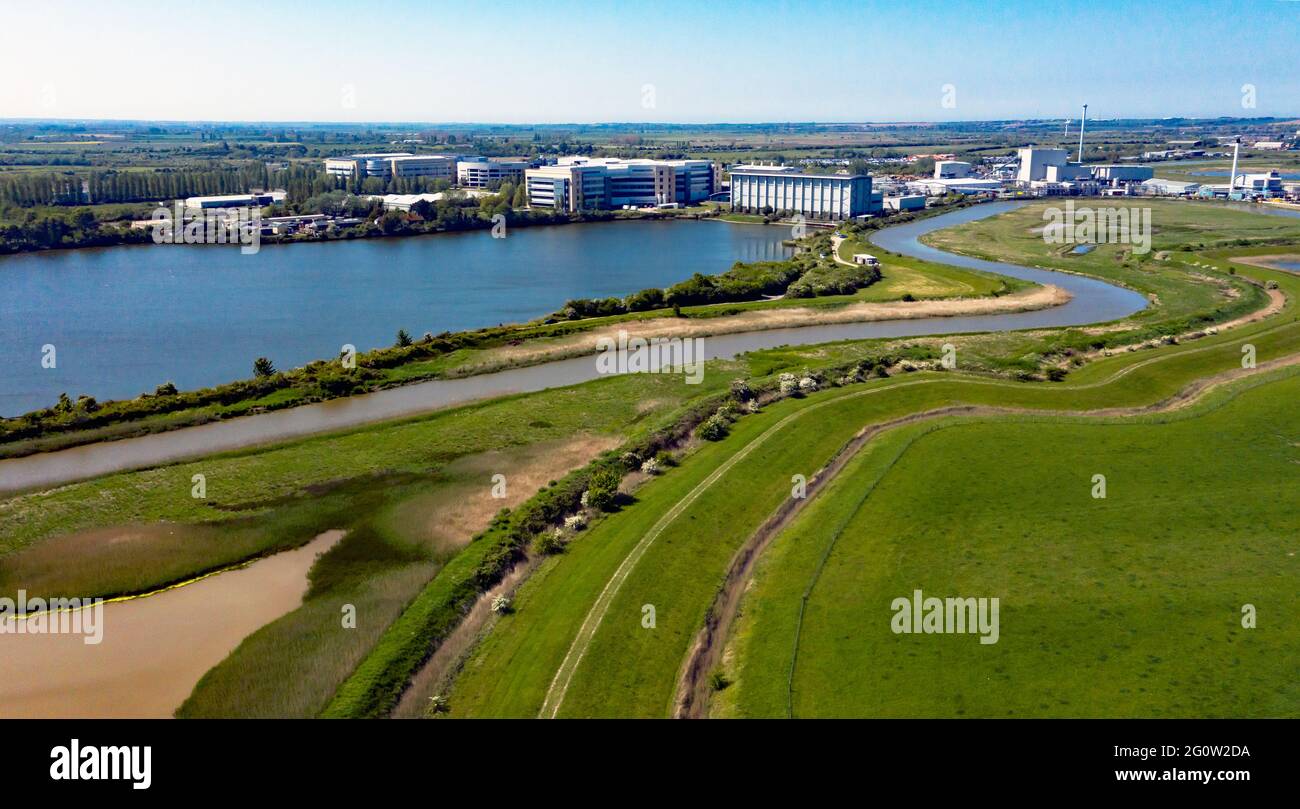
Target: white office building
(481,172)
(577,183)
(769,189)
(389,165)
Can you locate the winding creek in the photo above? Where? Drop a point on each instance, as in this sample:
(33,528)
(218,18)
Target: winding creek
(151,649)
(1093,301)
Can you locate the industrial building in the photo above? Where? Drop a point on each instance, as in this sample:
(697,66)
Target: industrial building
(480,172)
(256,199)
(1170,188)
(765,189)
(404,202)
(1116,175)
(905,202)
(1034,162)
(578,183)
(963,185)
(951,169)
(394,165)
(1051,172)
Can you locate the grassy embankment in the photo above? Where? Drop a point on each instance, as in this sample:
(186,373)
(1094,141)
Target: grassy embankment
(1125,606)
(627,670)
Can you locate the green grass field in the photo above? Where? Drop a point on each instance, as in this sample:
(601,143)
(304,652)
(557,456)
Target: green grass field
(618,668)
(1125,606)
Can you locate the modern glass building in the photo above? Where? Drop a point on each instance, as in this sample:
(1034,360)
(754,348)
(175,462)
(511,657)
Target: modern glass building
(576,183)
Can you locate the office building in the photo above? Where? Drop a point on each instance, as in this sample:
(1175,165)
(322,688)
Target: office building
(578,183)
(481,172)
(394,165)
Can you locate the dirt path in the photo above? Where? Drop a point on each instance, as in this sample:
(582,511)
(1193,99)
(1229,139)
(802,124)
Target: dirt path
(437,674)
(694,690)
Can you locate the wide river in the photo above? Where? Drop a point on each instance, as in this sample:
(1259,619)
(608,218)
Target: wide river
(1094,301)
(123,320)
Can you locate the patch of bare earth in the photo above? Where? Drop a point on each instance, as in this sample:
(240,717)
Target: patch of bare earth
(1042,297)
(447,518)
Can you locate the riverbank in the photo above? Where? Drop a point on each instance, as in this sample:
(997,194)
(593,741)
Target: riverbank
(76,421)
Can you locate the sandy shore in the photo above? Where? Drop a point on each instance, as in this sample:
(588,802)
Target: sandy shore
(1041,297)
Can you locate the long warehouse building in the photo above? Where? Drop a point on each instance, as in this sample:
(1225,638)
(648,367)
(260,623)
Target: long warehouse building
(769,189)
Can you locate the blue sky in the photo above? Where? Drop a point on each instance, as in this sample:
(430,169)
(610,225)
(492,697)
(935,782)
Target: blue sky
(672,61)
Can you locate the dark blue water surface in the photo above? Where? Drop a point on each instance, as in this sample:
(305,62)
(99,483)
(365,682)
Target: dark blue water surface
(126,319)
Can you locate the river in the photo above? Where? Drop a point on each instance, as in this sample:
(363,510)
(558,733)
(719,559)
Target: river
(1094,301)
(123,320)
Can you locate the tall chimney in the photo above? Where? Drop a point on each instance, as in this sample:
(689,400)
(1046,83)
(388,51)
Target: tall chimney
(1083,122)
(1232,178)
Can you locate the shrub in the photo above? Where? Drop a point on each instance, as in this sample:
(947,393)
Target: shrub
(789,383)
(1056,374)
(713,429)
(548,543)
(575,522)
(602,491)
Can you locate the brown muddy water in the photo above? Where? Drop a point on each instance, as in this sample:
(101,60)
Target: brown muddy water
(155,648)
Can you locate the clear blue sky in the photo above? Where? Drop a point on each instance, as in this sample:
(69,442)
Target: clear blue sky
(506,61)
